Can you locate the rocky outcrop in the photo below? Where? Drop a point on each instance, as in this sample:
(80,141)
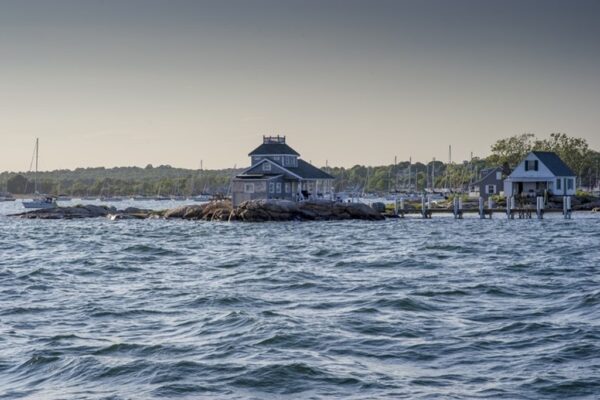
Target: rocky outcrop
(587,206)
(76,212)
(250,211)
(285,210)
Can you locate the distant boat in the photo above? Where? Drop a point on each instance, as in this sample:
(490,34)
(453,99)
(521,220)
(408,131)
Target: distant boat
(39,201)
(6,197)
(201,197)
(160,198)
(48,202)
(111,199)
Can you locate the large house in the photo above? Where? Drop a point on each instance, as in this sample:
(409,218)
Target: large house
(539,173)
(277,172)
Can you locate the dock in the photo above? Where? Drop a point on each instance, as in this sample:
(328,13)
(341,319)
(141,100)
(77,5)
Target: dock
(511,211)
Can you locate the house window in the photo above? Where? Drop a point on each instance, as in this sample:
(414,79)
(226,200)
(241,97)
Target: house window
(570,184)
(248,187)
(276,158)
(558,184)
(491,189)
(266,166)
(278,185)
(531,165)
(498,175)
(288,187)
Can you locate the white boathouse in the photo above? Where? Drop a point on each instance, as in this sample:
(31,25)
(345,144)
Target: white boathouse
(538,173)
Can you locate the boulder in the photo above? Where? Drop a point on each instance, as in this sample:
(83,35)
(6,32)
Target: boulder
(379,207)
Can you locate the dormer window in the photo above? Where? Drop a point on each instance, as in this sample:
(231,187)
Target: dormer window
(266,166)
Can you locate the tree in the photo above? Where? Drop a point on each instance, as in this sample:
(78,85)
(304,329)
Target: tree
(511,150)
(17,184)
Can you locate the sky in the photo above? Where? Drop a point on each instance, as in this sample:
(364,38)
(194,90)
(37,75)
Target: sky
(126,82)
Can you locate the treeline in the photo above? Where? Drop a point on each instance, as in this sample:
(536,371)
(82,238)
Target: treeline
(166,180)
(122,181)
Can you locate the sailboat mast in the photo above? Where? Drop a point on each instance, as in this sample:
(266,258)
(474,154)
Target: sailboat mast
(37,149)
(409,174)
(433,176)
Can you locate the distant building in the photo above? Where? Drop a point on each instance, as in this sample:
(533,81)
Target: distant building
(277,172)
(490,183)
(538,173)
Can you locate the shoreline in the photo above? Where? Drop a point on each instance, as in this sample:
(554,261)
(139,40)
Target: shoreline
(251,211)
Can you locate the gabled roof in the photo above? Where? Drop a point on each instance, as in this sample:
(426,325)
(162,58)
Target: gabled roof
(304,170)
(553,162)
(257,176)
(273,149)
(485,173)
(309,171)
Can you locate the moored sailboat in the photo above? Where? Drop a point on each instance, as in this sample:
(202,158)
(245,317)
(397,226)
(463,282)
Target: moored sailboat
(39,201)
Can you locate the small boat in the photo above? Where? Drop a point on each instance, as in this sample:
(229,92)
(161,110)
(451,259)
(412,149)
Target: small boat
(47,202)
(6,197)
(39,201)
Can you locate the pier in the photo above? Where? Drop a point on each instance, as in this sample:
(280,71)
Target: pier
(511,211)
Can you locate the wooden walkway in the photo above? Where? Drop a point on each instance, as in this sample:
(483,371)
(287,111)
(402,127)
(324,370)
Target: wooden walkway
(519,213)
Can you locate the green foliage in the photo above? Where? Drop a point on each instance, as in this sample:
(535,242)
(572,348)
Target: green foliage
(122,181)
(575,152)
(511,150)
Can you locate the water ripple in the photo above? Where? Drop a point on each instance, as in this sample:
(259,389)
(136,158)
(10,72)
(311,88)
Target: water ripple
(403,309)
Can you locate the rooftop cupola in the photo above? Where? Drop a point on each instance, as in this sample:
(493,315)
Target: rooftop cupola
(273,139)
(275,149)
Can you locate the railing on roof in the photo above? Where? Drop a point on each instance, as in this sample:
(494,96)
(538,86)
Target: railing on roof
(273,139)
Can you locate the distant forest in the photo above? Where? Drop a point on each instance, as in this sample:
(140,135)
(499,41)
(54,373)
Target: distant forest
(165,180)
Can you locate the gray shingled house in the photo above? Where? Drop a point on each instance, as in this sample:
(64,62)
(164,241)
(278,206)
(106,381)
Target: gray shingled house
(490,182)
(277,172)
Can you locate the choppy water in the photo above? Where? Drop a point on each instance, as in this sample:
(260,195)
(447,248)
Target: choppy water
(398,309)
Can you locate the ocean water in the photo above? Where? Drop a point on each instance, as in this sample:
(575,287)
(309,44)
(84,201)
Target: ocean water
(414,309)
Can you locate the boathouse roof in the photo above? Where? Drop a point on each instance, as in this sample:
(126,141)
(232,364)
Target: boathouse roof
(309,171)
(304,170)
(273,145)
(553,162)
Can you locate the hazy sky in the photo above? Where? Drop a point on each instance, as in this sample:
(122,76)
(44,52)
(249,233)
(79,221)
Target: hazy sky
(173,82)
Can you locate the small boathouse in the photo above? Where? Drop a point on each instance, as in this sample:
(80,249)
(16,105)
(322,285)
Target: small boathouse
(278,172)
(538,173)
